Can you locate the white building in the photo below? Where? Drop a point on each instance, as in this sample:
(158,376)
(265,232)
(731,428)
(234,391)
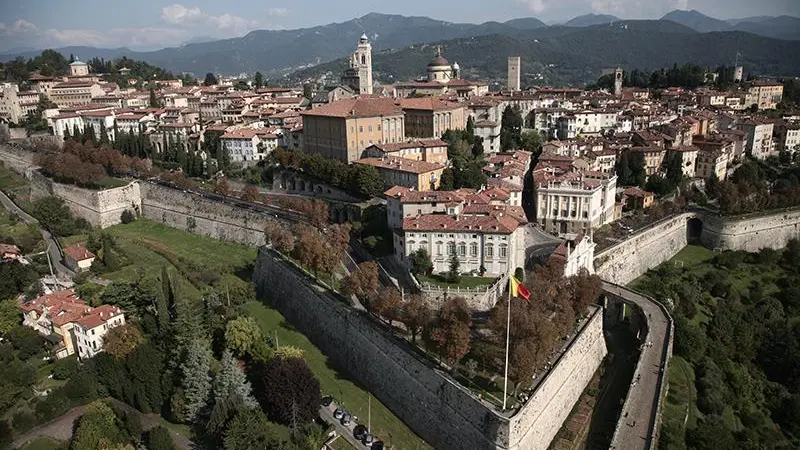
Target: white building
(575,255)
(249,145)
(79,69)
(16,105)
(90,329)
(759,137)
(574,202)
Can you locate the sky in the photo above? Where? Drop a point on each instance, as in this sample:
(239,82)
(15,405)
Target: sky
(152,24)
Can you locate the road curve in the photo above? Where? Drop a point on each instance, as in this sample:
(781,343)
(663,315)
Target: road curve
(641,412)
(55,253)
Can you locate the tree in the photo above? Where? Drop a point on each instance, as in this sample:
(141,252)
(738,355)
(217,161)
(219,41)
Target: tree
(415,315)
(510,128)
(448,333)
(366,180)
(421,263)
(222,187)
(127,216)
(470,129)
(531,141)
(231,381)
(674,170)
(153,102)
(97,428)
(308,91)
(291,392)
(10,316)
(387,303)
(241,334)
(250,194)
(210,80)
(196,381)
(453,273)
(279,237)
(158,438)
(121,340)
(251,430)
(362,282)
(259,80)
(26,341)
(54,215)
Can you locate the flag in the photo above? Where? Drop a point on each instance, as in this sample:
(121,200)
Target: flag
(518,289)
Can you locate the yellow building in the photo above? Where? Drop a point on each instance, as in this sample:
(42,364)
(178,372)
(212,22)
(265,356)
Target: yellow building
(765,94)
(430,117)
(428,150)
(419,175)
(73,93)
(343,129)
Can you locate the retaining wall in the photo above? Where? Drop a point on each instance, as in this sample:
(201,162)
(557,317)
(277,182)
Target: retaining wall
(99,208)
(751,233)
(435,407)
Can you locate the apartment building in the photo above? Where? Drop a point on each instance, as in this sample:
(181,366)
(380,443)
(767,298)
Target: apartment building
(574,202)
(73,93)
(758,137)
(428,150)
(430,117)
(419,175)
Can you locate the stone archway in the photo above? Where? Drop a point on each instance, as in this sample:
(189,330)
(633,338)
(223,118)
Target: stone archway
(694,230)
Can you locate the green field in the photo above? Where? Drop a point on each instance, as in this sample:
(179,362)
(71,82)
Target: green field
(10,180)
(384,424)
(13,229)
(680,410)
(43,443)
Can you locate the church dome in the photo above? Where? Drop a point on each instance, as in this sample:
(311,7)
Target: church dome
(438,60)
(364,37)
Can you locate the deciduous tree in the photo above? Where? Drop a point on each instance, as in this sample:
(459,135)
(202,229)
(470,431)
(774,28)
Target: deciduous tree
(448,333)
(387,303)
(415,315)
(241,334)
(120,341)
(222,187)
(363,282)
(291,392)
(250,194)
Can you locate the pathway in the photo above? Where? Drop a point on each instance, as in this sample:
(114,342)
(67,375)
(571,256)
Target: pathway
(60,428)
(346,432)
(640,414)
(54,247)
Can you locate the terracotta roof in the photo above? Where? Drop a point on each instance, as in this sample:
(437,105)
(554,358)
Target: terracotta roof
(637,192)
(8,248)
(69,84)
(78,252)
(408,195)
(428,104)
(401,164)
(420,143)
(358,107)
(98,316)
(500,223)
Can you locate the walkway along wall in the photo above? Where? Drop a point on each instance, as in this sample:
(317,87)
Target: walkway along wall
(435,407)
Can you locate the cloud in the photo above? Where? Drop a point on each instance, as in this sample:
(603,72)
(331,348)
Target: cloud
(190,17)
(277,12)
(536,6)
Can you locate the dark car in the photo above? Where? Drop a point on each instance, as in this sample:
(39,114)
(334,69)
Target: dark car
(338,413)
(347,419)
(327,400)
(377,445)
(359,431)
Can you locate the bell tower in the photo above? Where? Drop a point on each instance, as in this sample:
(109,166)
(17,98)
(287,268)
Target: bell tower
(362,62)
(618,81)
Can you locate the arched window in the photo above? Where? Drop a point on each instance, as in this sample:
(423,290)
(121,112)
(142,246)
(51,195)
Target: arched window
(462,249)
(473,249)
(363,59)
(503,250)
(490,251)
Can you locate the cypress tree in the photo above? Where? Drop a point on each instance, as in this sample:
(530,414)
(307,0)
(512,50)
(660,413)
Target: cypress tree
(196,379)
(231,380)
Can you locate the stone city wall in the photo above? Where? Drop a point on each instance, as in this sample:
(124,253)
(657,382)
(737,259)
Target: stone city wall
(193,213)
(15,158)
(438,409)
(627,260)
(751,233)
(99,208)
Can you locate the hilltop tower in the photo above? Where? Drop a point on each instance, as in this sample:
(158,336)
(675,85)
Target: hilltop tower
(618,81)
(362,62)
(513,73)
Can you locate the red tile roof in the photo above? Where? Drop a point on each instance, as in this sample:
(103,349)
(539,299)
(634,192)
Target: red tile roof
(499,223)
(358,107)
(428,104)
(78,252)
(401,164)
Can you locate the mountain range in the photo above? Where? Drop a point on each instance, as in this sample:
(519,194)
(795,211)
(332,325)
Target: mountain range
(573,44)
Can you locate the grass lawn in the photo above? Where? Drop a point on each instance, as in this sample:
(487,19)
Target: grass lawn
(682,396)
(464,282)
(42,443)
(693,254)
(341,444)
(25,236)
(384,424)
(10,180)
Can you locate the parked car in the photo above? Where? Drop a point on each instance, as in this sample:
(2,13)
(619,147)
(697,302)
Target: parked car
(327,400)
(347,419)
(367,439)
(338,413)
(377,445)
(359,432)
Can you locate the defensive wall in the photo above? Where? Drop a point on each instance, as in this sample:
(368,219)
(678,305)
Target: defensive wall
(15,158)
(100,208)
(440,410)
(193,213)
(646,249)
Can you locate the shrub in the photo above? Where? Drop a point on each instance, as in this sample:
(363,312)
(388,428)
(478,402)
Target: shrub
(65,368)
(127,217)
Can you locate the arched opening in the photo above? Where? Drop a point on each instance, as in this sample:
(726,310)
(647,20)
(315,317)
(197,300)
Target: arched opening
(694,230)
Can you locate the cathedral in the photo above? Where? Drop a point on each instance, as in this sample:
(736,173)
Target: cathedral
(359,75)
(441,78)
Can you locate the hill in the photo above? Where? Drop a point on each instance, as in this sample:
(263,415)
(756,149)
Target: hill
(697,21)
(563,55)
(588,20)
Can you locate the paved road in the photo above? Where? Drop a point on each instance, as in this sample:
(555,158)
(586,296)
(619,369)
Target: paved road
(640,415)
(55,254)
(346,432)
(61,428)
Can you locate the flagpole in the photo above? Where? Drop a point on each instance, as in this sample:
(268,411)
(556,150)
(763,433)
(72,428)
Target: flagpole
(508,339)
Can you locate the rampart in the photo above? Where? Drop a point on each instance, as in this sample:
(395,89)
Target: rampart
(752,232)
(434,406)
(193,213)
(100,208)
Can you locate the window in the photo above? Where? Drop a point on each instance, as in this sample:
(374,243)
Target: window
(462,249)
(473,249)
(360,129)
(369,128)
(439,249)
(503,251)
(489,251)
(451,248)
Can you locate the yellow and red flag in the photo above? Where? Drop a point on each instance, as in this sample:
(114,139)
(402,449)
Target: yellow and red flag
(518,289)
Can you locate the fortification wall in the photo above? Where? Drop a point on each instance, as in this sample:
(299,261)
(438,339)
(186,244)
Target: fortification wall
(99,208)
(16,159)
(435,407)
(193,213)
(751,233)
(624,262)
